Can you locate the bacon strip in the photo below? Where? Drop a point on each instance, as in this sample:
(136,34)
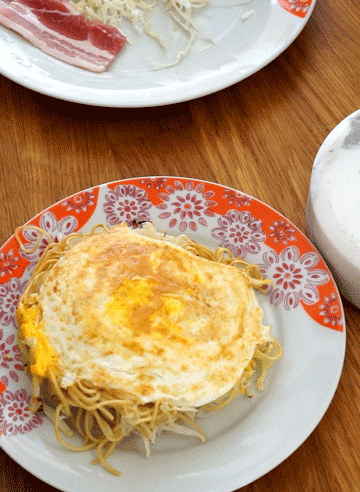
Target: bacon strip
(59,29)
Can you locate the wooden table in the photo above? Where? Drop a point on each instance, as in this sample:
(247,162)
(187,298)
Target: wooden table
(259,136)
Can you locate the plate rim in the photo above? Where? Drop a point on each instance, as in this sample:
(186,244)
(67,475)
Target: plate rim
(5,442)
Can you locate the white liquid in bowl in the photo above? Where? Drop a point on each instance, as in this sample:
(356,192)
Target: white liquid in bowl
(333,209)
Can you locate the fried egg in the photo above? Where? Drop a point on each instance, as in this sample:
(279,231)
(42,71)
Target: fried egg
(129,312)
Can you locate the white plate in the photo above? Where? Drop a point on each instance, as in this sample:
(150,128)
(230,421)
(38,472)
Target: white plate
(250,436)
(240,49)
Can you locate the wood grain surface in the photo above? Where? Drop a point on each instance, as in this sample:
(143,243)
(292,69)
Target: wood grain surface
(259,136)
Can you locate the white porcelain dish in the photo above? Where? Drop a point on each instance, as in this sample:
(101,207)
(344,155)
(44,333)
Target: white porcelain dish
(250,436)
(333,217)
(240,48)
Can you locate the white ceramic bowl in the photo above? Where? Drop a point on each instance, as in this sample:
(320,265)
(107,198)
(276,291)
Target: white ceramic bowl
(333,208)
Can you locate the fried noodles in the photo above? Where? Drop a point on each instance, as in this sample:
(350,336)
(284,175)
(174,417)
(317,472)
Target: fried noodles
(102,420)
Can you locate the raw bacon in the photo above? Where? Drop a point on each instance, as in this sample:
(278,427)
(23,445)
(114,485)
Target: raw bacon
(59,29)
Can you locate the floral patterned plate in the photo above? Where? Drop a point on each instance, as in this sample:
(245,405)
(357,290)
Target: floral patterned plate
(250,436)
(246,36)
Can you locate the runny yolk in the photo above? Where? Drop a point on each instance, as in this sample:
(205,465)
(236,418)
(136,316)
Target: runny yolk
(44,355)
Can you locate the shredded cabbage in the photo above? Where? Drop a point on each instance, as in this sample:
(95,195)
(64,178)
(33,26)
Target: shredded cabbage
(138,13)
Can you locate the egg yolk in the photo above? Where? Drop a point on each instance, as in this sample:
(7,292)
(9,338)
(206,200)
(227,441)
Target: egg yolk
(137,305)
(44,355)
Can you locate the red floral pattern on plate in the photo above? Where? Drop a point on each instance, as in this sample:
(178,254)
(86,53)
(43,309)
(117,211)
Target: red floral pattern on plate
(54,228)
(126,203)
(157,183)
(81,202)
(60,219)
(331,311)
(239,232)
(295,277)
(11,262)
(10,356)
(297,7)
(64,217)
(282,231)
(237,198)
(8,262)
(9,296)
(15,416)
(186,205)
